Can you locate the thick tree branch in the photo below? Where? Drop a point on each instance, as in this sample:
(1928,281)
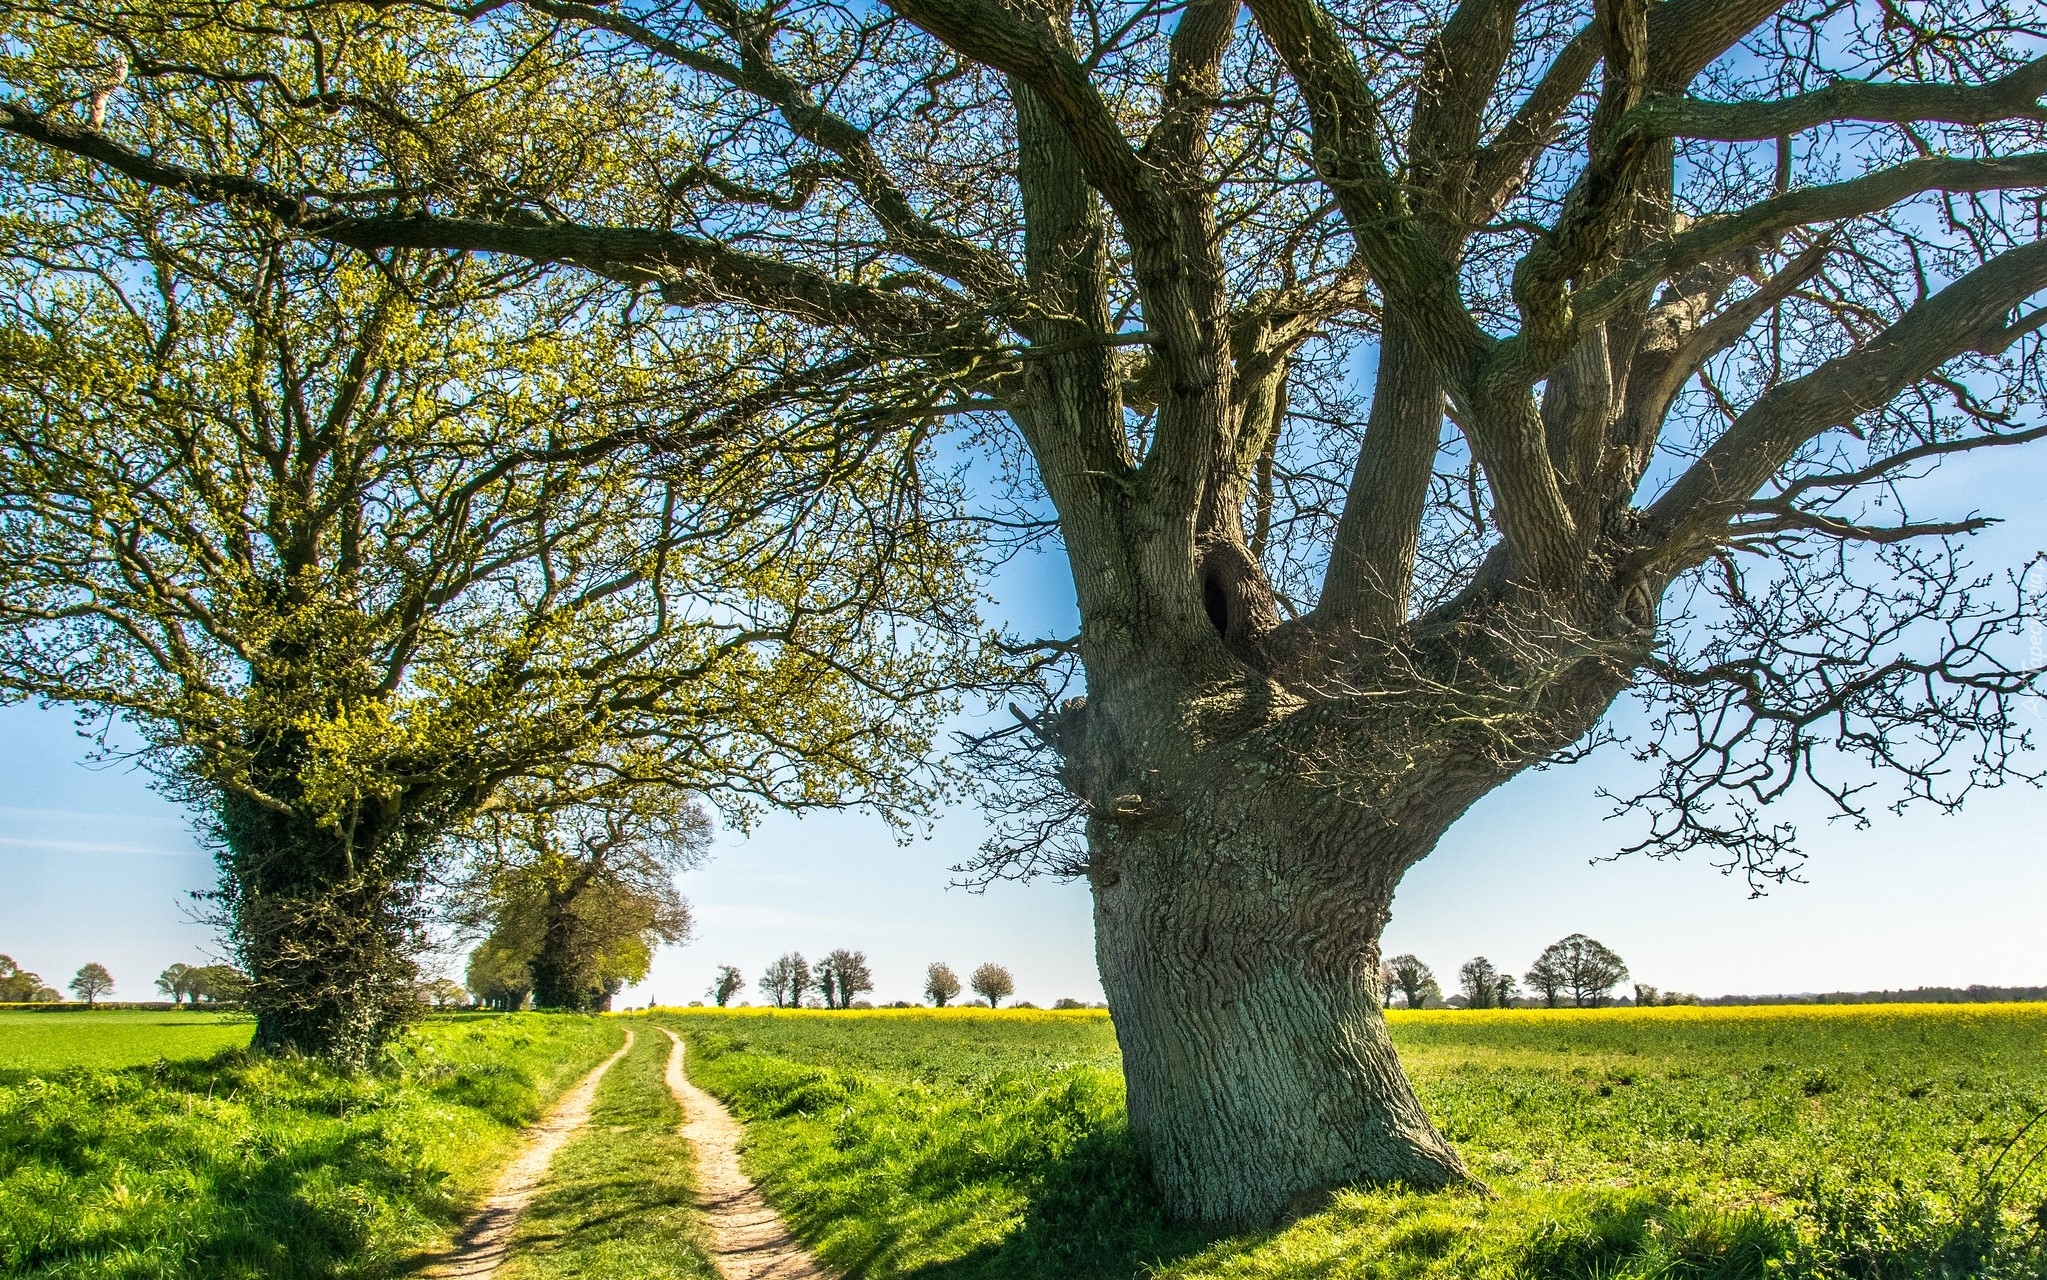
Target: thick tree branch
(1766,523)
(1194,57)
(1416,275)
(1165,254)
(688,269)
(1033,54)
(1460,72)
(1685,36)
(1713,237)
(1371,562)
(1692,515)
(2011,97)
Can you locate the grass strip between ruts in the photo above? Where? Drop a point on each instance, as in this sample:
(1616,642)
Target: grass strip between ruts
(618,1199)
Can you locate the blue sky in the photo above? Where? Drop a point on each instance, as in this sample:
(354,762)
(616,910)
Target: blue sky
(95,866)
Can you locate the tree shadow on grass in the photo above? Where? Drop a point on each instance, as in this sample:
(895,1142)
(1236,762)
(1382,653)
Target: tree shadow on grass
(1089,1213)
(230,1167)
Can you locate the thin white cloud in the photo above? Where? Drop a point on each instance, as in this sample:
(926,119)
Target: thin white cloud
(94,846)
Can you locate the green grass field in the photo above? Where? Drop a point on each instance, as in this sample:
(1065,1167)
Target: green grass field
(1838,1143)
(1858,1143)
(115,1038)
(240,1166)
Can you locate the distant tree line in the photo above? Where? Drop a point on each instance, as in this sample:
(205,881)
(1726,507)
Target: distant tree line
(1577,970)
(19,986)
(838,980)
(203,984)
(1973,994)
(841,977)
(183,983)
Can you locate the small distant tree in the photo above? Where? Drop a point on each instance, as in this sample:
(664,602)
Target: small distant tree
(176,982)
(941,984)
(91,982)
(1646,995)
(786,981)
(500,976)
(842,975)
(18,985)
(1547,976)
(1479,980)
(1068,1002)
(992,983)
(1583,966)
(443,993)
(1415,980)
(218,984)
(1504,991)
(729,982)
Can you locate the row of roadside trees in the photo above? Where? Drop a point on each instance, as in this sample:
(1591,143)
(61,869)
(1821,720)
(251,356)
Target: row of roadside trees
(842,977)
(1576,970)
(21,986)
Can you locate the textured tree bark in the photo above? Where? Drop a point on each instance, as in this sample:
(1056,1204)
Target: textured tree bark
(324,922)
(1246,834)
(557,984)
(1239,899)
(1255,1051)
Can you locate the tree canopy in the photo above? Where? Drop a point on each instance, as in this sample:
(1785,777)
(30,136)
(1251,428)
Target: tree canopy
(366,546)
(992,983)
(20,986)
(941,984)
(91,982)
(787,980)
(1585,967)
(583,895)
(842,976)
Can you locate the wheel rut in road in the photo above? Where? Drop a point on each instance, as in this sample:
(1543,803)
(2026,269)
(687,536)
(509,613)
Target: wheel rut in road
(749,1241)
(486,1240)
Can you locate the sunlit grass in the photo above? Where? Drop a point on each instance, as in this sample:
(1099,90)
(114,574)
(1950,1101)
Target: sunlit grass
(115,1037)
(1834,1141)
(248,1166)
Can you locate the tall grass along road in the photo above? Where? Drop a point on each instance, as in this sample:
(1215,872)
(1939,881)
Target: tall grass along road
(487,1240)
(240,1167)
(1838,1143)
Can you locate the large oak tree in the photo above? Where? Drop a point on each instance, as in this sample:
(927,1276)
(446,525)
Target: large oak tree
(1407,381)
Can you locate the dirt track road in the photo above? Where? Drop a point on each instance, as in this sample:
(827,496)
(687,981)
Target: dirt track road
(749,1240)
(487,1239)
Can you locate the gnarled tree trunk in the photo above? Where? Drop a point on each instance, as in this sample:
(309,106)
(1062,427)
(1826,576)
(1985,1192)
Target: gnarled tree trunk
(1245,983)
(1245,841)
